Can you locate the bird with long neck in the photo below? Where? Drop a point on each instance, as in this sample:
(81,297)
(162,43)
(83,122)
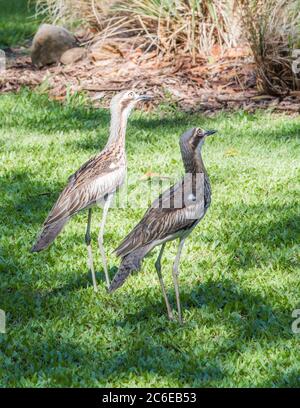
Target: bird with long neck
(172,216)
(95,182)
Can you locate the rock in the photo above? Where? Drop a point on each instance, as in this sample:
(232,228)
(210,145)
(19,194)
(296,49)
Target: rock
(49,43)
(73,55)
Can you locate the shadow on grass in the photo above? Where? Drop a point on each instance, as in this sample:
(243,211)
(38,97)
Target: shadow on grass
(35,112)
(249,317)
(64,364)
(290,379)
(254,241)
(251,314)
(26,198)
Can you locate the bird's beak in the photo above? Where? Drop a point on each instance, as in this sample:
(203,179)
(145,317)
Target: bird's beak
(210,132)
(144,98)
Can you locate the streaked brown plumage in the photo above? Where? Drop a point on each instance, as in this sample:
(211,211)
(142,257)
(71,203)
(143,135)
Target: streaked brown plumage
(173,215)
(94,182)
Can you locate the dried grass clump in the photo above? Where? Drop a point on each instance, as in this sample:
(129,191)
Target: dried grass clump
(172,26)
(175,26)
(272,28)
(70,11)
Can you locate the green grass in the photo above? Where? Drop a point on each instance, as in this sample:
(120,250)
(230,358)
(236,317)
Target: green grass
(239,277)
(17,23)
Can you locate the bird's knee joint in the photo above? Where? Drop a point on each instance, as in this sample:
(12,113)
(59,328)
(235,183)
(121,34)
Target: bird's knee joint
(87,239)
(175,273)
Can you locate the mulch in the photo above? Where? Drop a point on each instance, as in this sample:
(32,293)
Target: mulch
(224,81)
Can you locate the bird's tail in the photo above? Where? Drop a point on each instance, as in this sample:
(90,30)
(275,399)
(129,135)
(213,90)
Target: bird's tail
(130,263)
(48,234)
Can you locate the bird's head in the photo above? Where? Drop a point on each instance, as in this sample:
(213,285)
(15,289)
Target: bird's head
(125,101)
(195,137)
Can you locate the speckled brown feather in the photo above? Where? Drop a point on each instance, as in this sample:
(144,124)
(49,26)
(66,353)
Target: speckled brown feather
(159,222)
(81,193)
(102,165)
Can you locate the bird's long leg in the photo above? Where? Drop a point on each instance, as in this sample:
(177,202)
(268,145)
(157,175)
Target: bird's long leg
(158,269)
(175,278)
(89,248)
(100,237)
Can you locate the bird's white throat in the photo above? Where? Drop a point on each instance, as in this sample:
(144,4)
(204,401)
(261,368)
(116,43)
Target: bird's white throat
(118,123)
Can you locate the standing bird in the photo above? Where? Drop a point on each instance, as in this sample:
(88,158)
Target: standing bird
(95,182)
(173,215)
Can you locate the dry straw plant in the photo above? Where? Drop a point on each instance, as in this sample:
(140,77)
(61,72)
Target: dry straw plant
(191,26)
(271,27)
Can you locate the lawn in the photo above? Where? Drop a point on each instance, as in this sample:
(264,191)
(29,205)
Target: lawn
(239,275)
(16,22)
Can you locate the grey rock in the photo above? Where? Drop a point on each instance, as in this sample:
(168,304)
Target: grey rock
(73,55)
(49,43)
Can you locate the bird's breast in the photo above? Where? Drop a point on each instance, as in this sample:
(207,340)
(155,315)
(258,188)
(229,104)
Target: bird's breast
(107,183)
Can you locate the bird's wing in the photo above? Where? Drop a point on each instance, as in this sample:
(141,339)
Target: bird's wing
(99,176)
(103,163)
(176,209)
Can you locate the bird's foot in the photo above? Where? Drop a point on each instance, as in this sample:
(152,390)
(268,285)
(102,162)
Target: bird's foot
(170,316)
(180,319)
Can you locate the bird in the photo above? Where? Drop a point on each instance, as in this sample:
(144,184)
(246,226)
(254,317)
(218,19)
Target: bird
(173,215)
(95,182)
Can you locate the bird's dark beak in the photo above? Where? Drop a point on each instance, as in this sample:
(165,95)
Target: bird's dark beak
(210,132)
(144,98)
